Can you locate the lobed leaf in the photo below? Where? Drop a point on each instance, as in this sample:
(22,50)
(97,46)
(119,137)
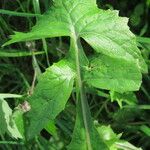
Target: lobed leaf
(104,30)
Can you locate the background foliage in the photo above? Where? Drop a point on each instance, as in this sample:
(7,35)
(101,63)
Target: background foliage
(126,114)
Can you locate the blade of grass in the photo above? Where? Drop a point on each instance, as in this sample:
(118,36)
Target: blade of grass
(143,39)
(24,11)
(15,53)
(36,6)
(5,26)
(46,50)
(26,83)
(37,10)
(20,14)
(145,129)
(145,107)
(7,95)
(21,6)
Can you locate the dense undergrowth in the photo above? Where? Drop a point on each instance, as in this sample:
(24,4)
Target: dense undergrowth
(21,64)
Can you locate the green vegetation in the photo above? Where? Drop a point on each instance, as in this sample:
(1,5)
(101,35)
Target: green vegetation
(74,76)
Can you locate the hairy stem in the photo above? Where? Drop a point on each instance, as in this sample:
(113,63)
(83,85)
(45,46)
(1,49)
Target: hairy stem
(80,92)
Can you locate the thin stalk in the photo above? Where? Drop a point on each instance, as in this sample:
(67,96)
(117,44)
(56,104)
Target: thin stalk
(37,10)
(33,84)
(35,65)
(46,50)
(80,90)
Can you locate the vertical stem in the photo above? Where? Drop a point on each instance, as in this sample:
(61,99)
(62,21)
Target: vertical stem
(37,10)
(80,93)
(46,50)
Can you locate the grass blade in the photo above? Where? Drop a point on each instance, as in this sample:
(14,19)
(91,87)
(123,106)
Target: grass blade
(15,53)
(7,95)
(143,40)
(20,14)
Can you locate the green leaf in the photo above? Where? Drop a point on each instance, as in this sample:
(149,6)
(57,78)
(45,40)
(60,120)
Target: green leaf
(104,30)
(129,98)
(51,128)
(79,139)
(19,121)
(49,97)
(113,140)
(124,145)
(7,123)
(113,74)
(145,129)
(108,136)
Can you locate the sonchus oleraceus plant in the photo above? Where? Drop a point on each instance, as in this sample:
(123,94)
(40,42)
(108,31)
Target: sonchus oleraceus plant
(116,65)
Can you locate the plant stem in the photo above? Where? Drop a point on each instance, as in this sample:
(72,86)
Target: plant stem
(80,92)
(37,10)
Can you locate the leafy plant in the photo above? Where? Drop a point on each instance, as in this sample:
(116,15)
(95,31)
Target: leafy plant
(116,65)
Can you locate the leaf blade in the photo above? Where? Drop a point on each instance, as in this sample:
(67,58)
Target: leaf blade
(50,97)
(104,30)
(113,74)
(7,123)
